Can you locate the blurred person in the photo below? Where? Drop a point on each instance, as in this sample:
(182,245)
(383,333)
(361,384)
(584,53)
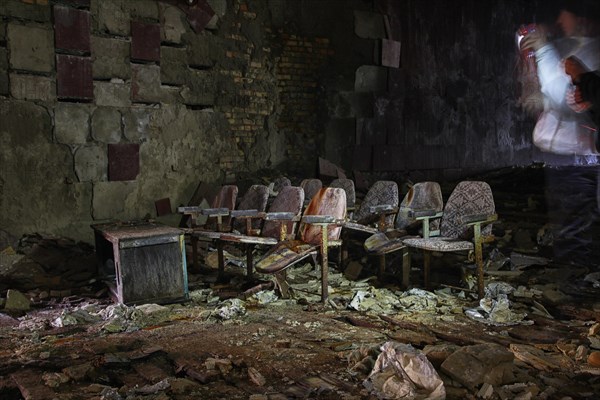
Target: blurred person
(565,126)
(586,93)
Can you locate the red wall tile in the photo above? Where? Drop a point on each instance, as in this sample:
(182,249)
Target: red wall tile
(145,41)
(71,29)
(123,161)
(74,77)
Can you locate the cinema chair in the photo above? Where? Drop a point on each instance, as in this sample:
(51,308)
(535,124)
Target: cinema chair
(320,229)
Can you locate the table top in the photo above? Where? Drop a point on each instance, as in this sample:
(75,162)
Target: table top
(135,230)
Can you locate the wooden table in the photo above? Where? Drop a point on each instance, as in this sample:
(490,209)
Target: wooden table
(142,262)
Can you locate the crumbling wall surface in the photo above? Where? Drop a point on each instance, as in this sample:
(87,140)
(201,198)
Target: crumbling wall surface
(448,104)
(109,105)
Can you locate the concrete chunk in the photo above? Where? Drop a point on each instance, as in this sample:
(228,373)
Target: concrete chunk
(478,364)
(16,301)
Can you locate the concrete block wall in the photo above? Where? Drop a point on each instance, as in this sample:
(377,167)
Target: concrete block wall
(108,105)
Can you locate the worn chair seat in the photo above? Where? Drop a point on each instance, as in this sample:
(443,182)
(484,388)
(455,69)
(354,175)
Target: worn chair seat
(423,200)
(320,229)
(279,223)
(441,244)
(465,225)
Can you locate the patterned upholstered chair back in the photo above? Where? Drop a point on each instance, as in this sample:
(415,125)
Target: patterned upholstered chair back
(348,186)
(289,199)
(280,183)
(380,193)
(468,198)
(226,198)
(255,198)
(311,187)
(421,196)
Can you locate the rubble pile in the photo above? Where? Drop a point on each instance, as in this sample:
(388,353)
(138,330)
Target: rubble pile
(534,335)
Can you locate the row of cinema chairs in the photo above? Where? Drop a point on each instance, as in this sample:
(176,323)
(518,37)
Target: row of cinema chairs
(296,222)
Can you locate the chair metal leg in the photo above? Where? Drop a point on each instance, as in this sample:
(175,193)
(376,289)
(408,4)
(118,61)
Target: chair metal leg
(221,257)
(324,265)
(194,241)
(405,267)
(426,268)
(381,267)
(284,287)
(479,260)
(249,260)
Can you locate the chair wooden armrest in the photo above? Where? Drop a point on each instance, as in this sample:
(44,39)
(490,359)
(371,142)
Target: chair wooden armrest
(383,209)
(423,214)
(189,210)
(482,219)
(215,212)
(281,216)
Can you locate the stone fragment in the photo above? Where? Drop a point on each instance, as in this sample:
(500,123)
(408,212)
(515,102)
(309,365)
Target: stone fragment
(78,372)
(481,363)
(353,270)
(16,301)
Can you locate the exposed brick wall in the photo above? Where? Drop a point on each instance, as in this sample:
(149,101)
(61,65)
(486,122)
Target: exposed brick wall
(297,85)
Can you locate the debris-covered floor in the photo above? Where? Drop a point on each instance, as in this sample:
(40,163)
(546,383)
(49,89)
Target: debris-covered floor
(536,335)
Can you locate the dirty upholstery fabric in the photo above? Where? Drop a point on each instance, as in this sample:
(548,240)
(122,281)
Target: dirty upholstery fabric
(381,193)
(348,186)
(254,199)
(420,197)
(311,187)
(289,199)
(468,198)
